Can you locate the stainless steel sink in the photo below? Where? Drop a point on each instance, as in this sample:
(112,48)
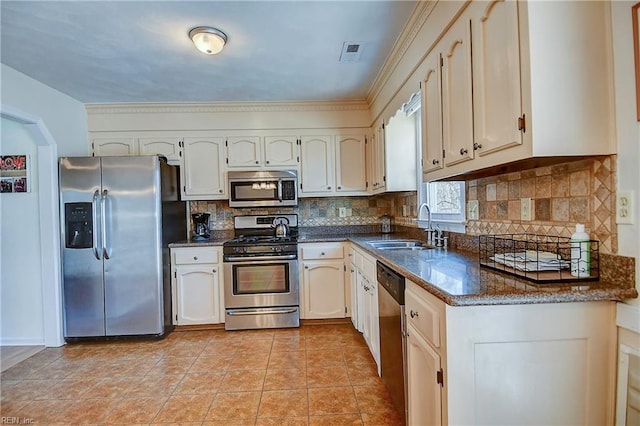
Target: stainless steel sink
(399,245)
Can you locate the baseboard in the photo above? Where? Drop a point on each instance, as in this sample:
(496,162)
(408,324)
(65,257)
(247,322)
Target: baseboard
(21,341)
(328,321)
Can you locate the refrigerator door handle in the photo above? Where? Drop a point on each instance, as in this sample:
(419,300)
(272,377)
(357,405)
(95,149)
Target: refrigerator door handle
(105,242)
(95,233)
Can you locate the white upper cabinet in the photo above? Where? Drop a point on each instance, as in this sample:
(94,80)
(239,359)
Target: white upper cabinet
(375,152)
(170,147)
(203,174)
(103,147)
(497,101)
(317,165)
(541,83)
(281,151)
(432,116)
(457,103)
(244,151)
(351,163)
(333,165)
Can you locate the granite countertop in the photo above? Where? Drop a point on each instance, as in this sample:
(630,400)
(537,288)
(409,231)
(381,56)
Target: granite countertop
(457,278)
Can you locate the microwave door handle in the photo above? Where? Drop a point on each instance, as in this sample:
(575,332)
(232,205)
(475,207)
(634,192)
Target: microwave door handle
(280,190)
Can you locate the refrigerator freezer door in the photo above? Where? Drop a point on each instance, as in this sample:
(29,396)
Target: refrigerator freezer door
(83,288)
(132,246)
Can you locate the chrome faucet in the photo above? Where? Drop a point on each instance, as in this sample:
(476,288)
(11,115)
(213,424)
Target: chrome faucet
(428,229)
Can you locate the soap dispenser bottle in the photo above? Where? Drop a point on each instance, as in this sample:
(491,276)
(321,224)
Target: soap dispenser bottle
(580,253)
(385,224)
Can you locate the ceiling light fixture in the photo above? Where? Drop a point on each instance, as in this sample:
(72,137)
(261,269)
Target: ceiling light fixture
(208,40)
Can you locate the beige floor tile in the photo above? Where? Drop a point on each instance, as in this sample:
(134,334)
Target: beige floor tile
(295,359)
(199,384)
(243,380)
(230,422)
(282,421)
(172,365)
(289,378)
(357,355)
(235,405)
(338,400)
(27,390)
(46,411)
(211,364)
(255,345)
(284,403)
(135,410)
(12,408)
(250,361)
(327,376)
(335,420)
(382,419)
(373,399)
(184,408)
(364,374)
(325,358)
(70,389)
(155,385)
(88,411)
(111,387)
(288,344)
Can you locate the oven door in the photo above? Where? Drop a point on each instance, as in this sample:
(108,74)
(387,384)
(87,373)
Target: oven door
(264,283)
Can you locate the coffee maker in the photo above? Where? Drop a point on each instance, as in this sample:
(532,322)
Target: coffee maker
(200,226)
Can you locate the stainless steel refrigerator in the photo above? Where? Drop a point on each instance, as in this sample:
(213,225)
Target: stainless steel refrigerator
(118,215)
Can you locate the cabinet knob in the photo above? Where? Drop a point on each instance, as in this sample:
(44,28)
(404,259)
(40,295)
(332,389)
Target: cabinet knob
(195,257)
(322,254)
(435,162)
(267,161)
(306,267)
(463,151)
(220,191)
(339,187)
(328,187)
(257,162)
(413,314)
(214,271)
(476,146)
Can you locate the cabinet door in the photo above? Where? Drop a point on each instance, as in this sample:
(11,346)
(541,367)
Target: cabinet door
(323,289)
(381,169)
(197,294)
(374,327)
(354,296)
(351,166)
(203,174)
(496,76)
(169,147)
(366,309)
(424,393)
(432,116)
(114,147)
(244,151)
(281,151)
(360,301)
(457,100)
(317,164)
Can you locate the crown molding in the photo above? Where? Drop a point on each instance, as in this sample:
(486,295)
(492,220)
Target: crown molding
(416,21)
(220,107)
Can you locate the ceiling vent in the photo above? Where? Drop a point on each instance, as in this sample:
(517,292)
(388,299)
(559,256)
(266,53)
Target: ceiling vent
(351,51)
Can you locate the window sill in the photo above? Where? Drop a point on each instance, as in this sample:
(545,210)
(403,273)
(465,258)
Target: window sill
(445,225)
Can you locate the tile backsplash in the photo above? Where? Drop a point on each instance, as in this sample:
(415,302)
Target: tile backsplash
(561,195)
(581,191)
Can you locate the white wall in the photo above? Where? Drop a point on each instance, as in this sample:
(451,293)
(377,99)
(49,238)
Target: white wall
(31,308)
(627,128)
(65,117)
(21,314)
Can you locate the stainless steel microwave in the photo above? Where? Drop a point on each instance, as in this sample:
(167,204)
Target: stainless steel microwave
(274,188)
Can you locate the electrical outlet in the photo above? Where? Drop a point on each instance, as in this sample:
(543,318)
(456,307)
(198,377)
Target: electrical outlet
(342,211)
(525,209)
(624,207)
(349,212)
(472,209)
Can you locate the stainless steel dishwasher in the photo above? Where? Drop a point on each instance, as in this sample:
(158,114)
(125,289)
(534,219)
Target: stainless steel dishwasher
(392,335)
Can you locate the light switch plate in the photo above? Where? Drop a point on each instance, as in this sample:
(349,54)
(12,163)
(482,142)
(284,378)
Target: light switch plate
(472,210)
(342,211)
(625,207)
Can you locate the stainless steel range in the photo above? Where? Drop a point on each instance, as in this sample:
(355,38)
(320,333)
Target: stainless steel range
(261,286)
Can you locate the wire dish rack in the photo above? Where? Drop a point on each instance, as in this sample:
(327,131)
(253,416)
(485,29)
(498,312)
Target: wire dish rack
(540,258)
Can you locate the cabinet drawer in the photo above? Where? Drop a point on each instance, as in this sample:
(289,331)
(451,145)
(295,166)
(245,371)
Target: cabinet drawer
(187,256)
(423,315)
(322,251)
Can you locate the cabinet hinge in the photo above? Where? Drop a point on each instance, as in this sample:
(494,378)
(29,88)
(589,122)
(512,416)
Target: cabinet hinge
(176,317)
(522,123)
(441,61)
(444,153)
(180,153)
(227,160)
(420,84)
(366,184)
(298,158)
(175,274)
(440,377)
(383,125)
(384,178)
(184,189)
(345,309)
(226,143)
(344,267)
(300,187)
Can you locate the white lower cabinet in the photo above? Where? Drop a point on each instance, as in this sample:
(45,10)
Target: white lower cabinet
(322,293)
(366,301)
(196,286)
(543,364)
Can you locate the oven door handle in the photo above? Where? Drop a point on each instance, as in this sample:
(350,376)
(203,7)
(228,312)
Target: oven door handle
(280,190)
(252,258)
(261,312)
